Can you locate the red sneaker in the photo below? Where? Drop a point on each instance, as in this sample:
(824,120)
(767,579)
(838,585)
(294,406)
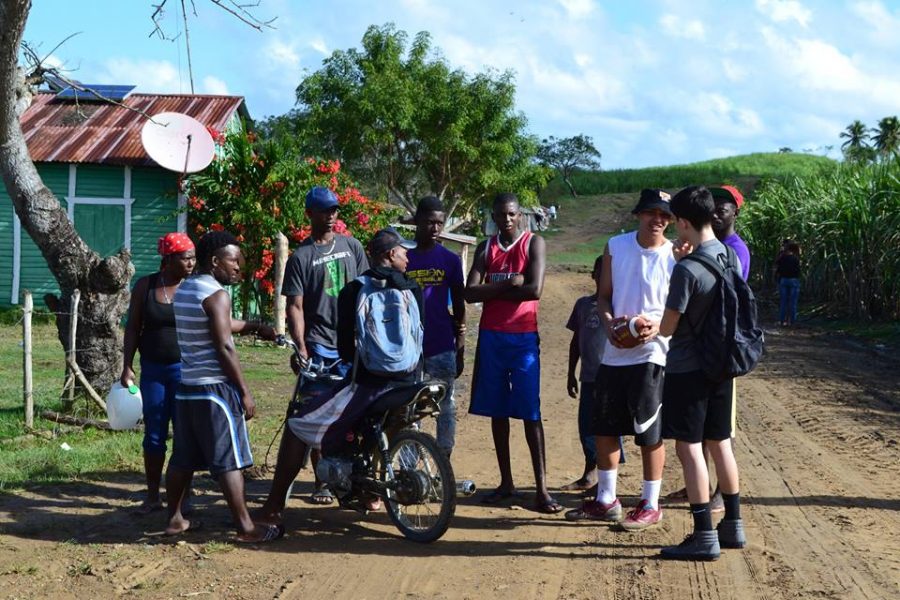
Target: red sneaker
(591,510)
(641,517)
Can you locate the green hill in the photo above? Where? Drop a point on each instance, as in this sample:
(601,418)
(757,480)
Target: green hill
(744,171)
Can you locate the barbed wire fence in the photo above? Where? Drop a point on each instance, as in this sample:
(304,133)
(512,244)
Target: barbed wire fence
(75,384)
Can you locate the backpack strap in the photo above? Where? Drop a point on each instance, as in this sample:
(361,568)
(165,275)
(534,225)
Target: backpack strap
(364,281)
(714,266)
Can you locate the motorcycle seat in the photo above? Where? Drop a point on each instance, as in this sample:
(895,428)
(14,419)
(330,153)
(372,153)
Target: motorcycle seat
(396,397)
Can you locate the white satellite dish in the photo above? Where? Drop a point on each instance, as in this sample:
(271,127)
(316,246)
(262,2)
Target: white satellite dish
(178,142)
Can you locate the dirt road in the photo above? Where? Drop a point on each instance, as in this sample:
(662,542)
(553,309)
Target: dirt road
(818,452)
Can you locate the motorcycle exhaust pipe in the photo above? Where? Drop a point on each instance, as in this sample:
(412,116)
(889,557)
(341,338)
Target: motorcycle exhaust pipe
(465,487)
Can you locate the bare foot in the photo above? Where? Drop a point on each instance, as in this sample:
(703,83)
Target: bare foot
(179,526)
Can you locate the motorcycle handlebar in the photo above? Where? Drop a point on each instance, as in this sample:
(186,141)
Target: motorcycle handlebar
(309,369)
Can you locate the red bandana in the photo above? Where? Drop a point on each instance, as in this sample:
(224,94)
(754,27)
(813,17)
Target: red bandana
(174,243)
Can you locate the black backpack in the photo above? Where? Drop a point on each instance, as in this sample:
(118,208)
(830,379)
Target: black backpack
(730,341)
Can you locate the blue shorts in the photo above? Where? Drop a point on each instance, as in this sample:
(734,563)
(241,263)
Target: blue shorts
(210,430)
(507,378)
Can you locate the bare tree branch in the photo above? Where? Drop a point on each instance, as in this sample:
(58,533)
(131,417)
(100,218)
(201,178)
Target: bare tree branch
(38,72)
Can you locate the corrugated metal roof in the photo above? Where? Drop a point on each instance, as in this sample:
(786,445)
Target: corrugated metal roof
(110,134)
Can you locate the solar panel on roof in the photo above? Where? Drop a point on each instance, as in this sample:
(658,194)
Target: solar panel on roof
(95,92)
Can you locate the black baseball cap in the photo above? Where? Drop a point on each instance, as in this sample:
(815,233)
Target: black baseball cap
(653,199)
(386,240)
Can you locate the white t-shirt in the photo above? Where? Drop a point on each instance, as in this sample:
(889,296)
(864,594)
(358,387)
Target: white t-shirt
(640,280)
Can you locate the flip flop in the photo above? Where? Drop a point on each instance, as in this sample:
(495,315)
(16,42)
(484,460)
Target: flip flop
(549,507)
(498,496)
(322,496)
(270,534)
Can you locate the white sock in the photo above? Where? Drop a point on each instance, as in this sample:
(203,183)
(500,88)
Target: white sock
(650,492)
(606,486)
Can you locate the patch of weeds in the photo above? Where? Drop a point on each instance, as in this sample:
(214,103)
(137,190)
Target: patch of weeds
(216,548)
(21,570)
(80,569)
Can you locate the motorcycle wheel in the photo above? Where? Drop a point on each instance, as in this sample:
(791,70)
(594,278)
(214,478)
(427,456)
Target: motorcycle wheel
(422,497)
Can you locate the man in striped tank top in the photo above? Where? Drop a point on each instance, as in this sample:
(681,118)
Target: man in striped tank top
(507,276)
(213,401)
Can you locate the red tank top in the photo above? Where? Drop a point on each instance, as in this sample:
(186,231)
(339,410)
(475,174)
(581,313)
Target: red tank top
(508,316)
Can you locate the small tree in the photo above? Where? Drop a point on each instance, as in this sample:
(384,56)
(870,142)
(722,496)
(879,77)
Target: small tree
(256,189)
(857,148)
(886,136)
(568,154)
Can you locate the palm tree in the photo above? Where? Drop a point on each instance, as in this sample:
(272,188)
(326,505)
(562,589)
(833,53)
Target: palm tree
(857,145)
(887,136)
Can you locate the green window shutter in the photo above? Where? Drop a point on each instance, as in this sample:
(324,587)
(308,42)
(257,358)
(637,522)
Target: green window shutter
(101,226)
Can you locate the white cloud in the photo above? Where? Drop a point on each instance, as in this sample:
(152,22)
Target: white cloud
(885,25)
(717,114)
(214,85)
(283,54)
(318,44)
(813,63)
(150,76)
(577,9)
(682,28)
(781,11)
(733,71)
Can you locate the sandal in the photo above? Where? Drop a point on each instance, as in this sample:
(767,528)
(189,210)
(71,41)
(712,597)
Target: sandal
(548,507)
(270,533)
(322,496)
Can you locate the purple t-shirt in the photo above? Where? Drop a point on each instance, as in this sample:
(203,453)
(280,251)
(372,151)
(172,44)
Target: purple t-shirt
(743,253)
(436,271)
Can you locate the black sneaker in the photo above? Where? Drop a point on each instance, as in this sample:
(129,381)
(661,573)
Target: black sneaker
(700,545)
(731,533)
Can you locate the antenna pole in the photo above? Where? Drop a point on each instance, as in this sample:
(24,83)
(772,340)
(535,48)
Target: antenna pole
(187,155)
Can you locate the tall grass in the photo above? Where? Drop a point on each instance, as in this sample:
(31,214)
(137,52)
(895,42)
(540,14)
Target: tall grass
(847,222)
(744,171)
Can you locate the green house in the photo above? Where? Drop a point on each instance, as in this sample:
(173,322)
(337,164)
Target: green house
(90,155)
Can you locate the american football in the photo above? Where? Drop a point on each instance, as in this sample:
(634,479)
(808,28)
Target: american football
(627,330)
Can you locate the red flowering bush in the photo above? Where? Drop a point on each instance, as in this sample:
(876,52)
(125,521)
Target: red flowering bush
(256,190)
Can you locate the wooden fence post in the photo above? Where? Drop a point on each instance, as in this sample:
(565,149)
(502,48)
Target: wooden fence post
(27,382)
(279,305)
(70,352)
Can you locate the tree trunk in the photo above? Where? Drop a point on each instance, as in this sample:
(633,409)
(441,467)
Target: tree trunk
(103,282)
(570,186)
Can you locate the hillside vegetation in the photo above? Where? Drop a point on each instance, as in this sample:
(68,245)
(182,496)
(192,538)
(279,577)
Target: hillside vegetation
(744,171)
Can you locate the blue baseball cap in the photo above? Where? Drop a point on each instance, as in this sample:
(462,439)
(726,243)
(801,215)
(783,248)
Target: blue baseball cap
(320,199)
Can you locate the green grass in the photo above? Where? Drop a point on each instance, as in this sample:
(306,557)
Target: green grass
(582,254)
(96,453)
(744,171)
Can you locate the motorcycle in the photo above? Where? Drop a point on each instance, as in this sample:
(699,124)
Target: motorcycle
(385,458)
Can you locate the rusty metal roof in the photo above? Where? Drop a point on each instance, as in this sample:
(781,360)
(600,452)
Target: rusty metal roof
(62,131)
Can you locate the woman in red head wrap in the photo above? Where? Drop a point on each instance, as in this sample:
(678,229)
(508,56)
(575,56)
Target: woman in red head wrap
(151,330)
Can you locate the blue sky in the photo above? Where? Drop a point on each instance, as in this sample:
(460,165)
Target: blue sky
(654,82)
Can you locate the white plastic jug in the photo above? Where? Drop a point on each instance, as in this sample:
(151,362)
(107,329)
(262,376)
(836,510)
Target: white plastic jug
(123,406)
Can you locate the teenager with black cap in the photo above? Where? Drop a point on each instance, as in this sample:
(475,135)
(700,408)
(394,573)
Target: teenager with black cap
(633,284)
